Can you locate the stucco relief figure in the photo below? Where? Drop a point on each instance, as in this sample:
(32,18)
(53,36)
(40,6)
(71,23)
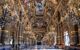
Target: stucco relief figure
(66,38)
(39,7)
(55,39)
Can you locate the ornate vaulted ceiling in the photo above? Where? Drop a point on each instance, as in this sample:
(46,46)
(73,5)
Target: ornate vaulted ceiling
(35,19)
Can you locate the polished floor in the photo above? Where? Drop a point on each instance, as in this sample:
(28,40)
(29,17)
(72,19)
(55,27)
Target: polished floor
(36,47)
(41,47)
